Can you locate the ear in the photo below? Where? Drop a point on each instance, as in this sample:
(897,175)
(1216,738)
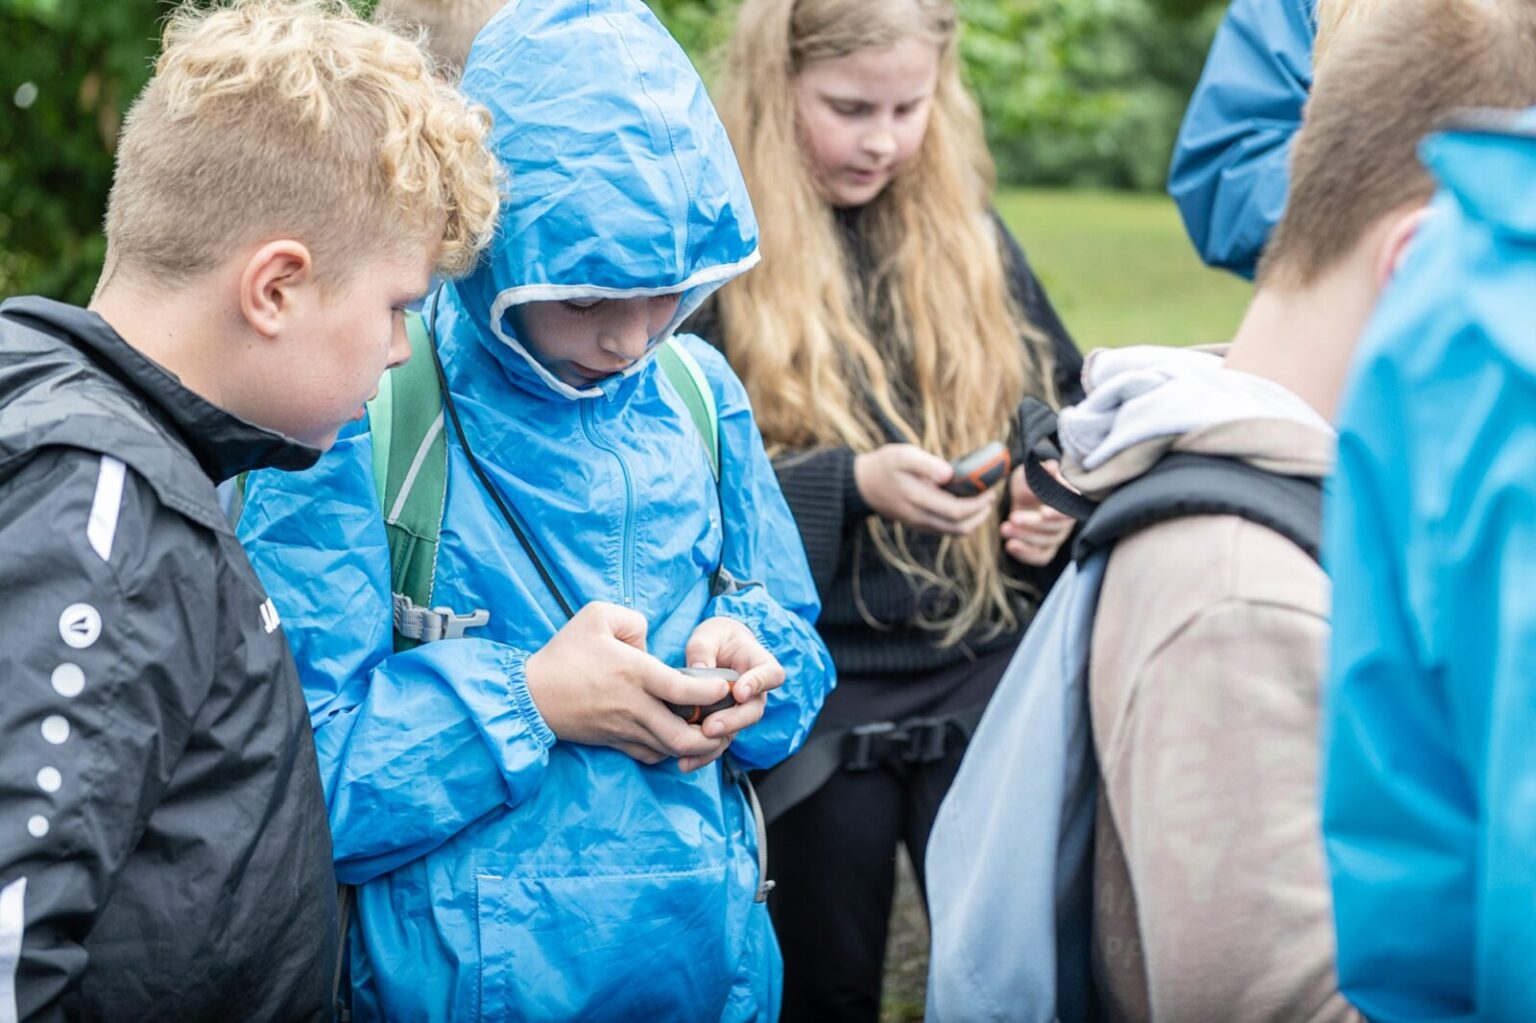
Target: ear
(1394,244)
(270,283)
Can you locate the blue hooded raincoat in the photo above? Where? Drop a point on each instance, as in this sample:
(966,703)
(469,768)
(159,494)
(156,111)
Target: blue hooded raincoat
(1429,800)
(502,874)
(1229,175)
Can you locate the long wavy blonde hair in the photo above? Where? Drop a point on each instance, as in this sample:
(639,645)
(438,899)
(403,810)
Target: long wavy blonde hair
(798,326)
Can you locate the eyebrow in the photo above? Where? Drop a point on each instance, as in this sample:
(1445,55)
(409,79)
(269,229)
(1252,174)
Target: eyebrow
(832,97)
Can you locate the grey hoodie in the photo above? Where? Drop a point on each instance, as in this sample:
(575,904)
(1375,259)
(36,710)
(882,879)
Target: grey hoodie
(1210,896)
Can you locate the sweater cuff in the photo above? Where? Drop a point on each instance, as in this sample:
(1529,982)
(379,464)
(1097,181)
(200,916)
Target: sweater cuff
(855,508)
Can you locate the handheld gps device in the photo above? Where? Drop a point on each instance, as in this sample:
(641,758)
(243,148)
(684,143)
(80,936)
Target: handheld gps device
(696,714)
(980,470)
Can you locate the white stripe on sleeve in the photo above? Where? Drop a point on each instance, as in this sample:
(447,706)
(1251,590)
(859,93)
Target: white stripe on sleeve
(104,509)
(13,905)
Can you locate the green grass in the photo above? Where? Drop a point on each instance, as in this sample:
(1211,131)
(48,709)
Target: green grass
(1120,270)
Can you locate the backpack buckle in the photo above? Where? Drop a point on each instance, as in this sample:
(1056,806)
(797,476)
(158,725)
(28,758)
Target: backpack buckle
(925,740)
(454,624)
(867,746)
(914,741)
(424,625)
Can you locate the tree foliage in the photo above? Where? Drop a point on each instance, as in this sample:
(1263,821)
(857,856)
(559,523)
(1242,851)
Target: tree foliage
(1074,92)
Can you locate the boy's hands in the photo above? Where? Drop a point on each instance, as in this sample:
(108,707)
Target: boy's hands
(1033,532)
(594,683)
(726,643)
(904,483)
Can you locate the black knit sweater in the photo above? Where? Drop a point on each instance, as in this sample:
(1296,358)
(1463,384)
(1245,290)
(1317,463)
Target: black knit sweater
(830,513)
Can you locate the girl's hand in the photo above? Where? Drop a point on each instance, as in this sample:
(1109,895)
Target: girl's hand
(1033,532)
(904,483)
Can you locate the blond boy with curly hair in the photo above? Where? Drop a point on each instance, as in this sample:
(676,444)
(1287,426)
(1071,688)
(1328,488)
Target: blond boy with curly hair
(288,181)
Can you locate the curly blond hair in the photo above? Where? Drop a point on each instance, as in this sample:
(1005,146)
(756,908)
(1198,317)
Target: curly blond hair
(296,118)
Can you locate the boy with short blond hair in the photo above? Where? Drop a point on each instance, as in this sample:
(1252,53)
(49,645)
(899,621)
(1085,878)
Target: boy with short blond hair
(1209,639)
(289,179)
(1201,635)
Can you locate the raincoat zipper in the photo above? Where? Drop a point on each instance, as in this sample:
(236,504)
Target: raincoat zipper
(626,568)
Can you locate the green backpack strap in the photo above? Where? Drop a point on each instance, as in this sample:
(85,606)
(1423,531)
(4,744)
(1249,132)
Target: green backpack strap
(688,379)
(237,500)
(410,470)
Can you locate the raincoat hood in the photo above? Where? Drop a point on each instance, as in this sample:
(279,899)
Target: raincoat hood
(622,182)
(1487,166)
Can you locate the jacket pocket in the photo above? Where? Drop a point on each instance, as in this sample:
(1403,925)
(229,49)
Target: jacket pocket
(606,947)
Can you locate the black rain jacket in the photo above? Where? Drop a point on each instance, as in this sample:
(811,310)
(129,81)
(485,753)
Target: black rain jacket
(164,851)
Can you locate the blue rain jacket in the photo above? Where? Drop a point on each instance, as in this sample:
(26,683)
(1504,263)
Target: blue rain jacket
(1429,800)
(1229,175)
(502,874)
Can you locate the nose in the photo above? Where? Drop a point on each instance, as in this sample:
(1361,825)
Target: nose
(880,142)
(628,335)
(399,344)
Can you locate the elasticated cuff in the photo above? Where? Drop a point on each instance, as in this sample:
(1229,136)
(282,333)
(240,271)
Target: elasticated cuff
(515,666)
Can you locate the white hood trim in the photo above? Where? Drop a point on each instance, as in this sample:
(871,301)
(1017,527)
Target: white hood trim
(694,290)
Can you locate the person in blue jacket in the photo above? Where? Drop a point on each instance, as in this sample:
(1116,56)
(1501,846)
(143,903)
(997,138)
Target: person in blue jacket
(1429,801)
(1228,174)
(510,805)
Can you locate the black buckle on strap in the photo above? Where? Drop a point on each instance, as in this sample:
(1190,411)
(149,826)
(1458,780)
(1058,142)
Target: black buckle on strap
(914,741)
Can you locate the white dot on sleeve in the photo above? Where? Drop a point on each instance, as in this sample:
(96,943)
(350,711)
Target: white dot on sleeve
(68,680)
(56,729)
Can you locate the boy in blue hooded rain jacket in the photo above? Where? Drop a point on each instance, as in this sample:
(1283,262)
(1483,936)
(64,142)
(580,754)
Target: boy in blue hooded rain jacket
(503,873)
(1429,806)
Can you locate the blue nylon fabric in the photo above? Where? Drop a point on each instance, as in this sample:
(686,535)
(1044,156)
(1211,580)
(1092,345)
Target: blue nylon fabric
(1009,859)
(502,874)
(1429,797)
(1229,175)
(603,124)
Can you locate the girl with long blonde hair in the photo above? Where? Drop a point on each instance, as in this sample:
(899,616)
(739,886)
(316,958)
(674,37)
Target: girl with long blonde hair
(893,326)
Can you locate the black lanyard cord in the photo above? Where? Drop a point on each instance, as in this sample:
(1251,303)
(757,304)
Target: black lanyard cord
(474,463)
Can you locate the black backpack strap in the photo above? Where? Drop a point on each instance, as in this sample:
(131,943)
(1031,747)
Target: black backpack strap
(1181,485)
(918,740)
(1037,437)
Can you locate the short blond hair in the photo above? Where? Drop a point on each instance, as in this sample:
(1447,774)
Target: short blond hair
(1389,82)
(1334,17)
(296,118)
(450,26)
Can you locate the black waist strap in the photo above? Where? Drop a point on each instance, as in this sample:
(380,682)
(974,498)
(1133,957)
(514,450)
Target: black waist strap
(919,740)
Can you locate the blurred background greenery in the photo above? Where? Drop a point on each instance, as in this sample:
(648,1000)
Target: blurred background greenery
(1082,99)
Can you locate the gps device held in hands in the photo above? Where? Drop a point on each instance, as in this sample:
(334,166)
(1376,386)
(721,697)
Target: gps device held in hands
(980,470)
(696,714)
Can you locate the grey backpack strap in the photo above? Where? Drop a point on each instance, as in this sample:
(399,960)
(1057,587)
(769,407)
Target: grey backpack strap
(1181,485)
(803,773)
